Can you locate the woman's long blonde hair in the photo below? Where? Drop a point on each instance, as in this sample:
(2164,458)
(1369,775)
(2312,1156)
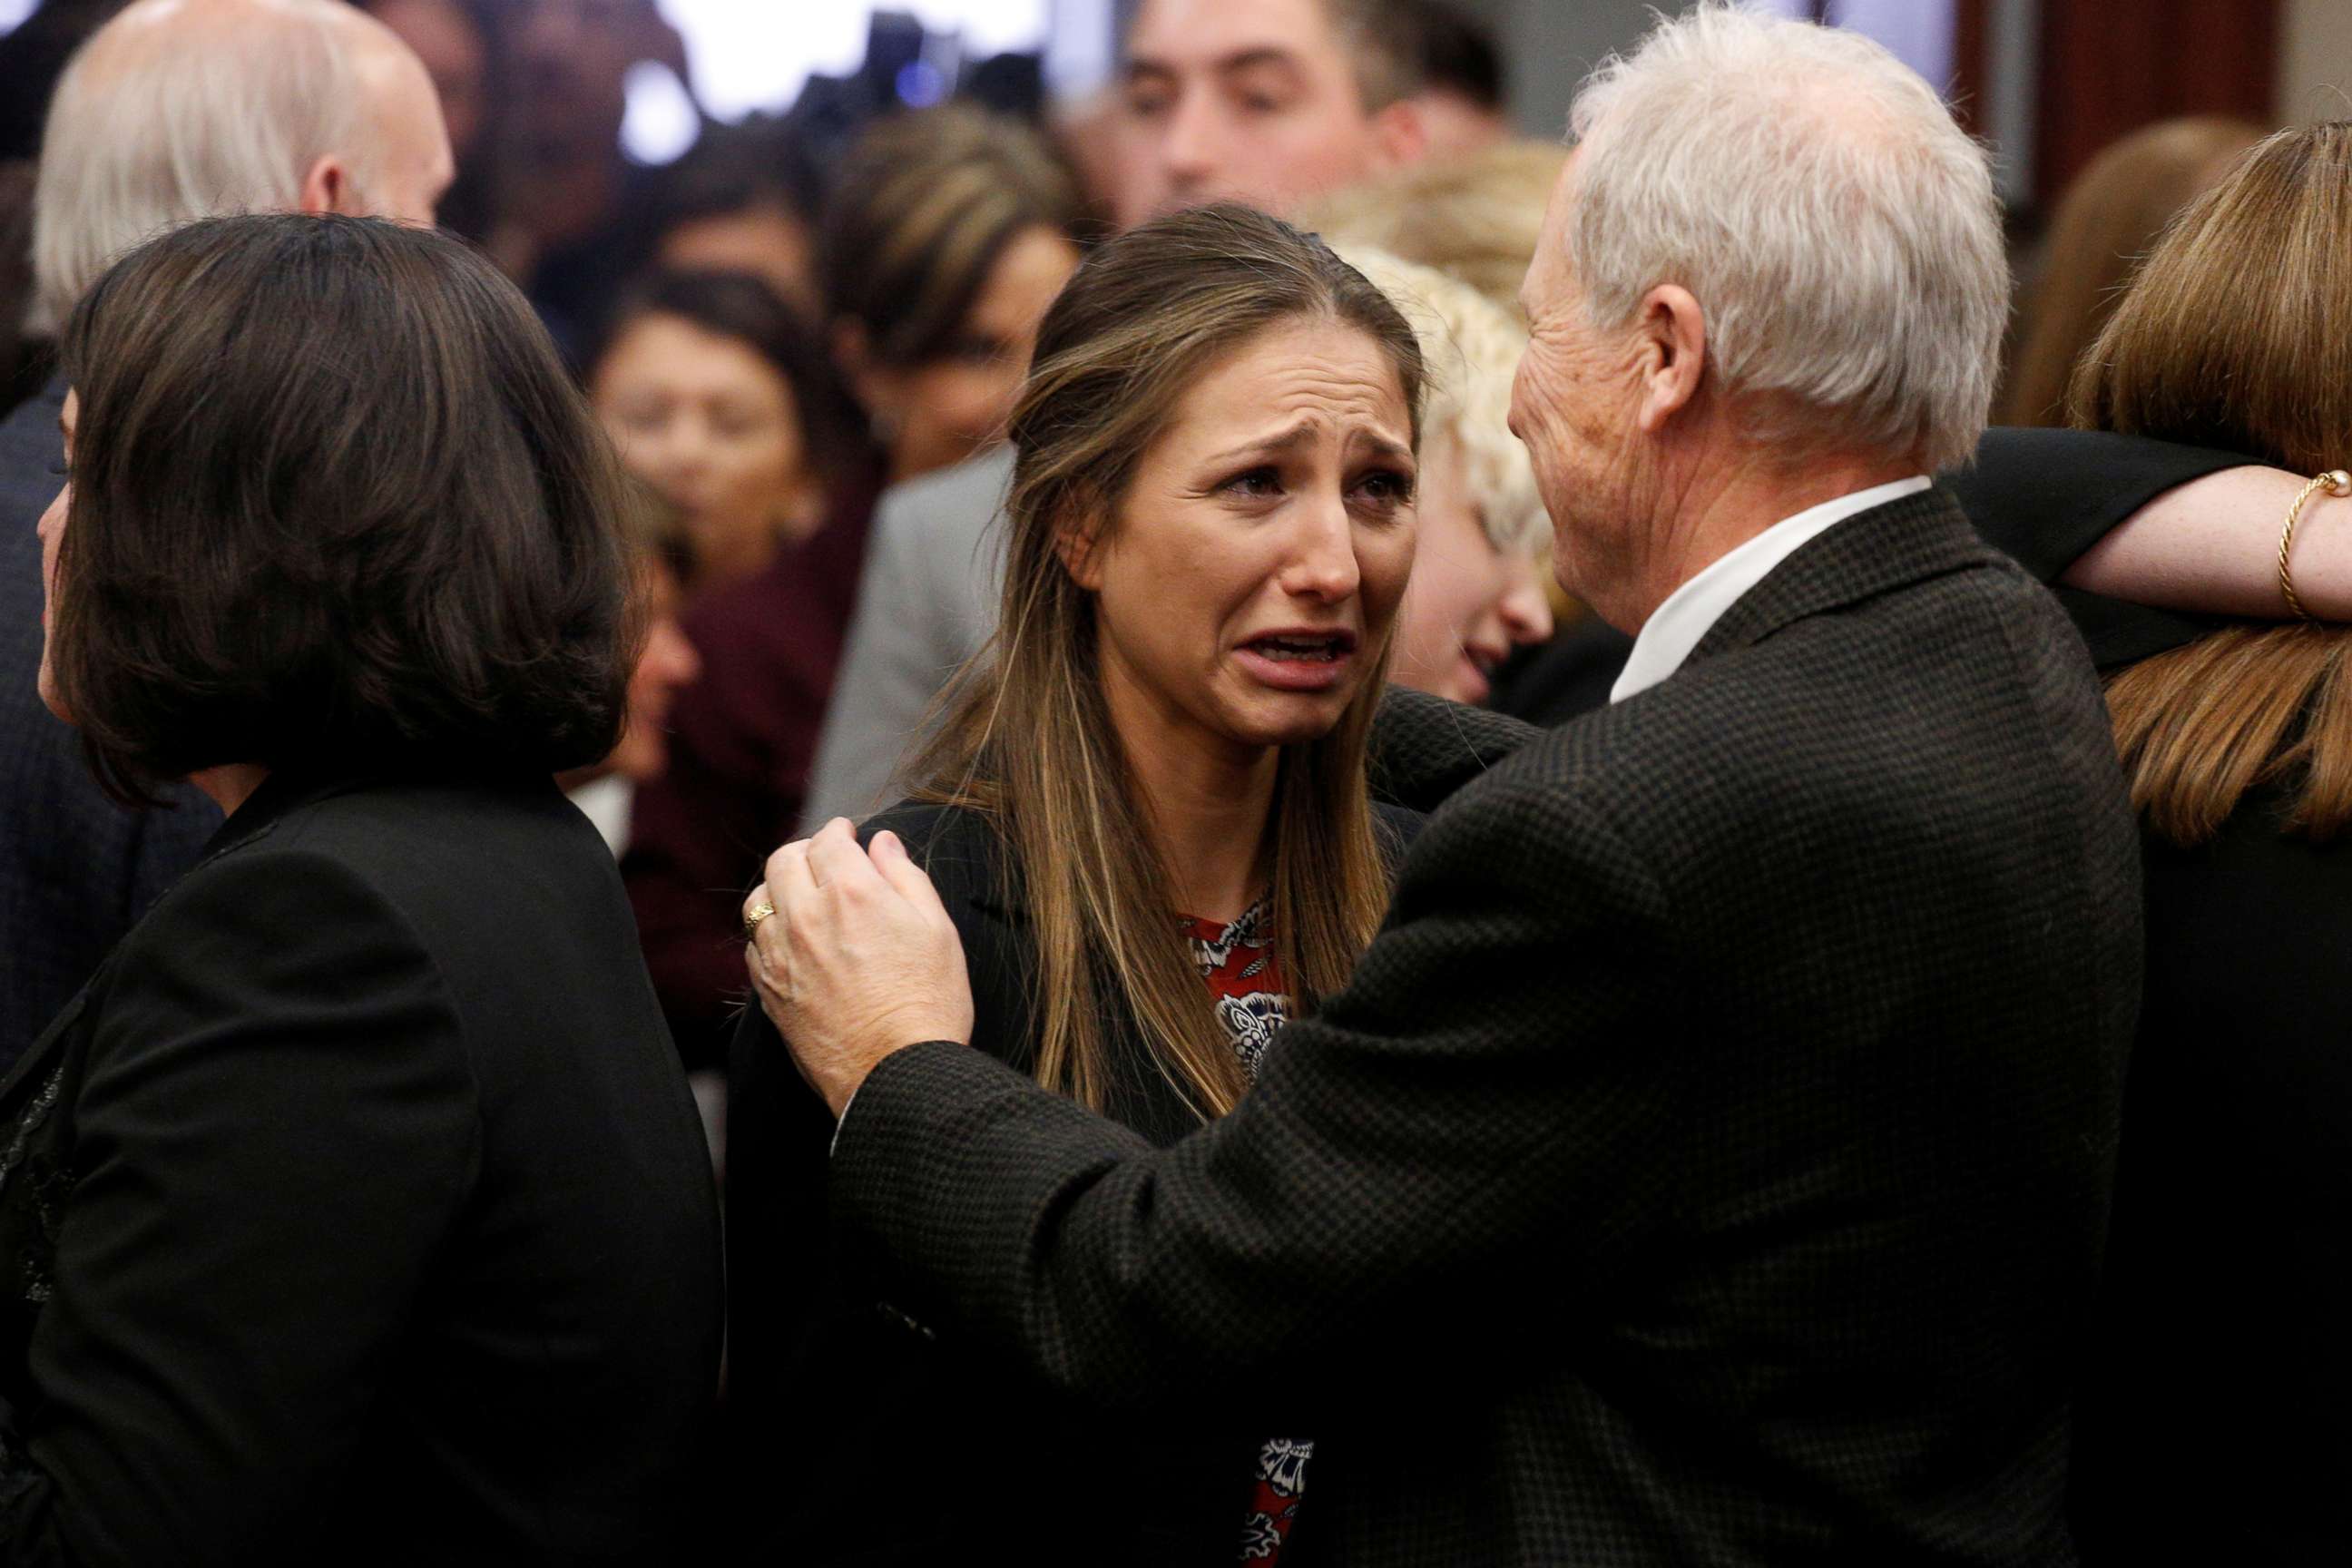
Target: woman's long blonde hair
(1027,739)
(2231,336)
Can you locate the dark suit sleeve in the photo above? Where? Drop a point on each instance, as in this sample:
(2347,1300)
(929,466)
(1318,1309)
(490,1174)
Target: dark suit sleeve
(1424,747)
(2046,496)
(1480,1095)
(277,1126)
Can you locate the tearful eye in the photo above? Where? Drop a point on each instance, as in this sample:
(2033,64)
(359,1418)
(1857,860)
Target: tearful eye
(1386,488)
(1255,483)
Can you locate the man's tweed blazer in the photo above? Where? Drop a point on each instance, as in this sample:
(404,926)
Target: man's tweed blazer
(1709,1160)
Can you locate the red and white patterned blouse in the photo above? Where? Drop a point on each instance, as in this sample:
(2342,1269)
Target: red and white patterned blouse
(1237,960)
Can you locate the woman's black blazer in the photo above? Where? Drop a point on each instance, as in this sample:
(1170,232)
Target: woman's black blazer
(357,1210)
(858,1438)
(2210,1419)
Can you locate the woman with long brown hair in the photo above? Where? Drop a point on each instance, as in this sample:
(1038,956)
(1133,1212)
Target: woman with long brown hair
(1146,811)
(2211,1425)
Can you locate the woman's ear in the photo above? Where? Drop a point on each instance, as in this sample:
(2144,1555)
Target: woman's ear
(1081,558)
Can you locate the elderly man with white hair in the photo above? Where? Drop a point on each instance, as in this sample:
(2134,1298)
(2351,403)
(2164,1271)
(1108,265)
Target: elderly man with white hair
(1709,1159)
(174,110)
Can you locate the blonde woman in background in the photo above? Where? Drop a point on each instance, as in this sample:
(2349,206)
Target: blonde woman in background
(1481,566)
(1473,218)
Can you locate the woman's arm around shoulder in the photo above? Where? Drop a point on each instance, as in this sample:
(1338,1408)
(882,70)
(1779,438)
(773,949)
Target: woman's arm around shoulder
(2154,522)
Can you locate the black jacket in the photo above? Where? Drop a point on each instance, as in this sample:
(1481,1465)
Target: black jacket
(357,1210)
(2215,1423)
(857,1439)
(1709,1162)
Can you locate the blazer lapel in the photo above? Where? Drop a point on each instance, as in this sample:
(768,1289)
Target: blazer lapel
(1893,546)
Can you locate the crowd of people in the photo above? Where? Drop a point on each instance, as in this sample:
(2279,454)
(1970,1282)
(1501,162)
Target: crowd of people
(1242,823)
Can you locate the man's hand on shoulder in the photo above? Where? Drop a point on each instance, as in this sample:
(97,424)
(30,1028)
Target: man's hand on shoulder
(853,957)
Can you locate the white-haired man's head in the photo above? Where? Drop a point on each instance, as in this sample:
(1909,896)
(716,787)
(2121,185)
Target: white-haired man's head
(185,109)
(1771,233)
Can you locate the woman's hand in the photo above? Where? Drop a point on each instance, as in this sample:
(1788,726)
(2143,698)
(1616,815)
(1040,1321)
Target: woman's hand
(859,960)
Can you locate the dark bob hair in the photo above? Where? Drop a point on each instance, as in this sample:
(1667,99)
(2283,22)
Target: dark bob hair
(746,310)
(336,503)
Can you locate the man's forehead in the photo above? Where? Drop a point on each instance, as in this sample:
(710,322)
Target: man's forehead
(1547,270)
(1206,33)
(1560,206)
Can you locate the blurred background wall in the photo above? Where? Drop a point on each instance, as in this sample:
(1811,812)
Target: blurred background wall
(2315,60)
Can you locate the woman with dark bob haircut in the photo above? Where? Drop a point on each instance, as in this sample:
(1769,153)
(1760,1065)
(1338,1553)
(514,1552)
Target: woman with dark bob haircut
(356,1211)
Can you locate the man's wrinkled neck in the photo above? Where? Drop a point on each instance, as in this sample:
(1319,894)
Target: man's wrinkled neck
(1721,498)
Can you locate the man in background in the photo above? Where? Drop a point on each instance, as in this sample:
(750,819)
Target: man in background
(1269,102)
(173,111)
(1261,101)
(567,225)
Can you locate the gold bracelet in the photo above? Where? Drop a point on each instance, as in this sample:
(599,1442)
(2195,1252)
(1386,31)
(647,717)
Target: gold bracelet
(2335,482)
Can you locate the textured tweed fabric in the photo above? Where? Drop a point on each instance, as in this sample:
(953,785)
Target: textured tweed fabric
(1709,1162)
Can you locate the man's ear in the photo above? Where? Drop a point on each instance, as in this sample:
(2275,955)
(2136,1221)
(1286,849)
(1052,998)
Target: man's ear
(1400,135)
(1672,354)
(326,187)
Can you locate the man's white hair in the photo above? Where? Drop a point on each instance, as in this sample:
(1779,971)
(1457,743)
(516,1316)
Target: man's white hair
(1839,230)
(1471,350)
(179,110)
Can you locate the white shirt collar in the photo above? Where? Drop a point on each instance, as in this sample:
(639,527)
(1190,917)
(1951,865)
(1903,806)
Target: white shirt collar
(1678,625)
